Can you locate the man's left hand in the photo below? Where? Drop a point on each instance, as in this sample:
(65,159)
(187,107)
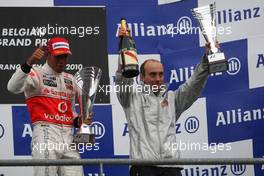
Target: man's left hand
(208,47)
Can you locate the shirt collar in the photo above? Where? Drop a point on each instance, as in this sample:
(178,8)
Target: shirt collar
(48,69)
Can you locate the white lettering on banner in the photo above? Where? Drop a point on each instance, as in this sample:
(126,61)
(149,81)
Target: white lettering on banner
(182,75)
(239,116)
(139,29)
(228,16)
(181,27)
(260,62)
(218,170)
(27,131)
(4,67)
(40,41)
(15,42)
(34,31)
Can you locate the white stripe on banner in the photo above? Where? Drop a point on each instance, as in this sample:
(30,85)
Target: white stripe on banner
(26,3)
(160,2)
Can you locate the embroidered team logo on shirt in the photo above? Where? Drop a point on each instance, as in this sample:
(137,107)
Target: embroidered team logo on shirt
(49,83)
(68,84)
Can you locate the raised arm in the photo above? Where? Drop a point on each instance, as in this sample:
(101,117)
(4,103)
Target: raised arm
(189,92)
(25,76)
(124,85)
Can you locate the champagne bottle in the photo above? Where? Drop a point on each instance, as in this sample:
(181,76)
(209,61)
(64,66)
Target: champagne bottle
(128,54)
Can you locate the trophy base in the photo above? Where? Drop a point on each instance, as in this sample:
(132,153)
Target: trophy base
(84,138)
(130,71)
(217,62)
(218,66)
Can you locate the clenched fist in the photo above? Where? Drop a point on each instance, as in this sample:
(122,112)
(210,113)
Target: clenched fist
(39,53)
(208,47)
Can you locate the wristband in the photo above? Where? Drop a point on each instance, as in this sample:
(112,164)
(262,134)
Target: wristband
(26,68)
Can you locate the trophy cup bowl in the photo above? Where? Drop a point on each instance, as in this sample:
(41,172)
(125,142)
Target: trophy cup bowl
(87,80)
(206,18)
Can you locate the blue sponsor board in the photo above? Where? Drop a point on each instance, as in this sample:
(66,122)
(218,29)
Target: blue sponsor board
(143,22)
(141,16)
(258,153)
(180,65)
(235,116)
(154,28)
(108,170)
(22,130)
(183,34)
(102,127)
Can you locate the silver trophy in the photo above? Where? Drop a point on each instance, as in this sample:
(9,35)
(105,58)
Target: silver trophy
(87,80)
(206,16)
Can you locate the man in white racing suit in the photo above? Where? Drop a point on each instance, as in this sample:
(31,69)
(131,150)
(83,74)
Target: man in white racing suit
(50,97)
(152,113)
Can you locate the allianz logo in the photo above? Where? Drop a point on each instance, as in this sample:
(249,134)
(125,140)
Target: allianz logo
(231,15)
(238,116)
(98,129)
(235,169)
(182,74)
(191,124)
(182,26)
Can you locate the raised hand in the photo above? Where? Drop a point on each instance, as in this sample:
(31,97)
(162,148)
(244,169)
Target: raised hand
(37,55)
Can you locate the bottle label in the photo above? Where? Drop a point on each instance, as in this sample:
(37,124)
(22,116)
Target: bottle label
(130,57)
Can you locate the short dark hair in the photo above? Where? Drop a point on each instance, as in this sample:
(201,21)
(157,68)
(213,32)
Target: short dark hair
(142,67)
